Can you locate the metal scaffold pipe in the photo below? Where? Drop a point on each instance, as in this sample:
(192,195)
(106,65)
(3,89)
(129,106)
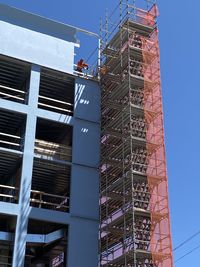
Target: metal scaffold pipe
(135,225)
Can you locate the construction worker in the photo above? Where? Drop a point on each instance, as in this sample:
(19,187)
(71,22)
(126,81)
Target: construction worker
(81,65)
(104,70)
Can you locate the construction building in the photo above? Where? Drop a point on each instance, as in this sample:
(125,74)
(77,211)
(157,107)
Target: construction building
(49,146)
(83,180)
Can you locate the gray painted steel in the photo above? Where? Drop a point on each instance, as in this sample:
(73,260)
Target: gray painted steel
(23,37)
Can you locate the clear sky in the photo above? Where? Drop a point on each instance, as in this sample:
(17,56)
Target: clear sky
(179,26)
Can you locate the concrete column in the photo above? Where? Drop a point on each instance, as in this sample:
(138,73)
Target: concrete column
(27,166)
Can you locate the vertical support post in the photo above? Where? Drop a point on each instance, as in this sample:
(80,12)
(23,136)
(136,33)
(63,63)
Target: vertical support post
(83,243)
(34,86)
(127,8)
(148,4)
(107,27)
(27,167)
(100,48)
(99,58)
(121,8)
(134,9)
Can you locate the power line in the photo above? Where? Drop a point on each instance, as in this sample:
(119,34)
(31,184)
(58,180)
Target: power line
(191,251)
(187,240)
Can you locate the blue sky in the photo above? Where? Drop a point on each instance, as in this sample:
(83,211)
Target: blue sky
(180,66)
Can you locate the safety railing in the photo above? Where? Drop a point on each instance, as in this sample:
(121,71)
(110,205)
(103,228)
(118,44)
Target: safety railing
(10,141)
(8,193)
(38,199)
(50,150)
(44,200)
(90,73)
(128,12)
(55,105)
(12,94)
(117,251)
(156,204)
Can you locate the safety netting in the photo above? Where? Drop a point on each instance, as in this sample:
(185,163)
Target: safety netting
(160,242)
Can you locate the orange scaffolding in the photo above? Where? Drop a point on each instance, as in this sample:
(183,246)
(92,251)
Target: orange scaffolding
(135,221)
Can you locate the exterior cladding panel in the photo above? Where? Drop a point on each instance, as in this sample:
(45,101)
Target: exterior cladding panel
(87,100)
(83,232)
(30,39)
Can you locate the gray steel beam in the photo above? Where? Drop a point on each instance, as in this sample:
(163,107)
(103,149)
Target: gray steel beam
(35,238)
(57,117)
(50,216)
(27,166)
(9,208)
(13,106)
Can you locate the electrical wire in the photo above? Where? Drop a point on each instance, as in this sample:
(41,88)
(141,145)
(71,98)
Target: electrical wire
(92,54)
(188,253)
(186,241)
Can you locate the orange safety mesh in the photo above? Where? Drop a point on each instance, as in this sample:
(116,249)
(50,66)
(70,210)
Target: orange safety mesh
(160,244)
(147,17)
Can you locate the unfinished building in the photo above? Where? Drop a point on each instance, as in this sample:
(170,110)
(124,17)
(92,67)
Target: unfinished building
(135,225)
(49,146)
(50,116)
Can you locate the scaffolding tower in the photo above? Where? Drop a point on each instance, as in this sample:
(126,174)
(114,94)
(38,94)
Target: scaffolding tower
(134,210)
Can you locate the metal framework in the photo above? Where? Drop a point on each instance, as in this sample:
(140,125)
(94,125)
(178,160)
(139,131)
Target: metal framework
(49,118)
(135,223)
(52,156)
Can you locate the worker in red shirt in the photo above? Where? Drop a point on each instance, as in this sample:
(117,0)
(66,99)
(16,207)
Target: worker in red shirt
(81,65)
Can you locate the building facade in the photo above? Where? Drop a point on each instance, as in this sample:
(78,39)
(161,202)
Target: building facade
(49,146)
